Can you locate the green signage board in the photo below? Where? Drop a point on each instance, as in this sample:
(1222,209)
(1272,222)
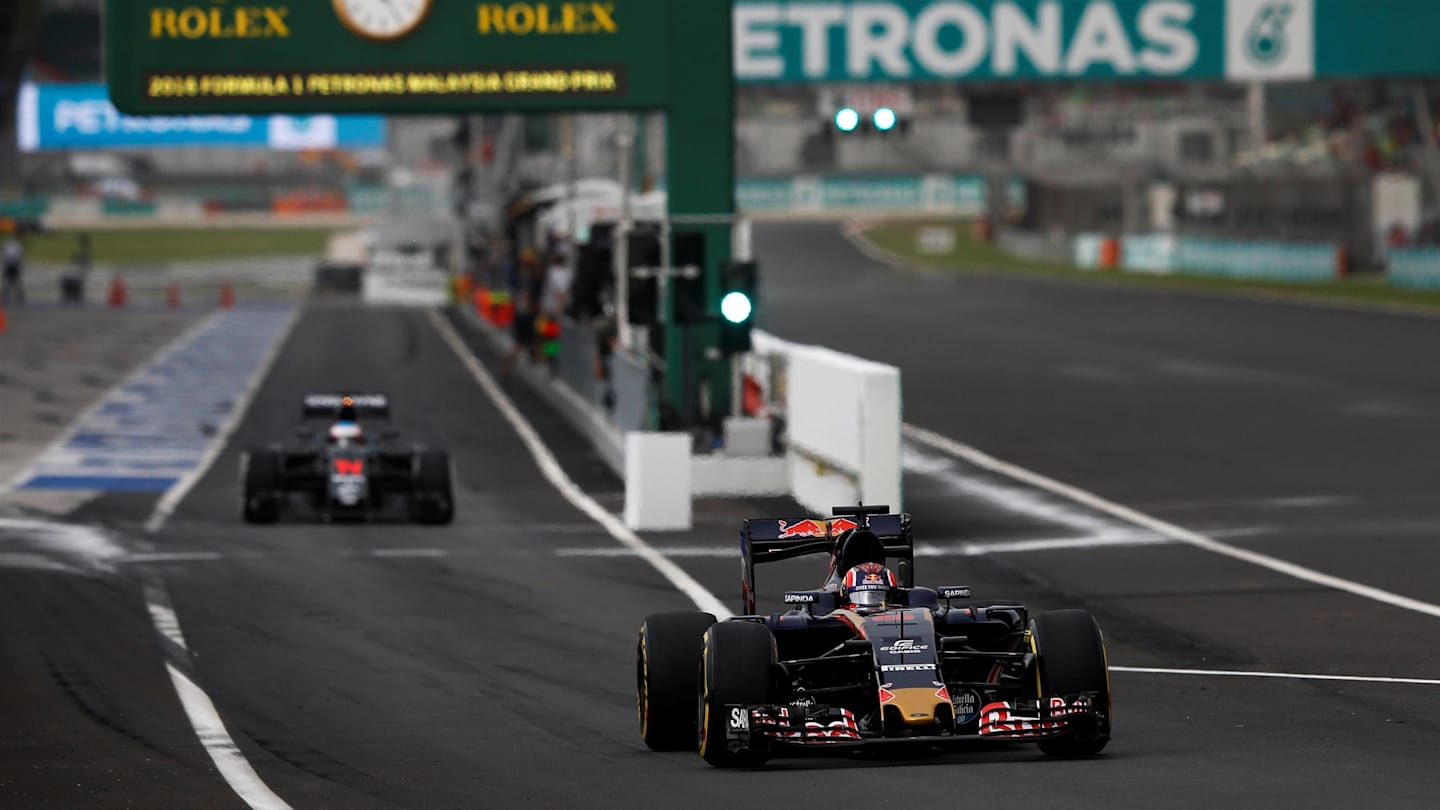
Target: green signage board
(396,56)
(997,40)
(172,57)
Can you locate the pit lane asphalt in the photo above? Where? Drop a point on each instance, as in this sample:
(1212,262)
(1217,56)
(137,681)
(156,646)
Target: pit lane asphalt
(472,666)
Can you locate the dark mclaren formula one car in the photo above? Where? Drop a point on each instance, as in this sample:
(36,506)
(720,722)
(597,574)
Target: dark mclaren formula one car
(352,469)
(914,666)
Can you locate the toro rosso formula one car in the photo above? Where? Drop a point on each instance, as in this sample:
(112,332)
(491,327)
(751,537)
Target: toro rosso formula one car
(354,469)
(867,659)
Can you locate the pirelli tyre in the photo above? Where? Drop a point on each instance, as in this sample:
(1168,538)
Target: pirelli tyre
(434,498)
(739,668)
(262,486)
(667,678)
(1070,658)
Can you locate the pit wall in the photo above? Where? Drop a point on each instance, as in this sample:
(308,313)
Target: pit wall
(820,426)
(842,419)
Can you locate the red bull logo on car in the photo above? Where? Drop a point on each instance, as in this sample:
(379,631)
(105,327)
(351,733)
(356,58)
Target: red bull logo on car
(810,527)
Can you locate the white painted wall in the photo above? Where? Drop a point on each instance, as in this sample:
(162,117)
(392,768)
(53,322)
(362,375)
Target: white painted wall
(843,420)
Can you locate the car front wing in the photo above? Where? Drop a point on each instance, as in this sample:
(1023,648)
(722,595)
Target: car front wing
(770,728)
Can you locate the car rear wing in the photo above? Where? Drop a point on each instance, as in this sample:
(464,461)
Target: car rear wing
(767,540)
(329,406)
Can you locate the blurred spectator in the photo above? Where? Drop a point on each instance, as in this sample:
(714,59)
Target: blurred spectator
(1397,236)
(72,281)
(556,294)
(12,289)
(529,285)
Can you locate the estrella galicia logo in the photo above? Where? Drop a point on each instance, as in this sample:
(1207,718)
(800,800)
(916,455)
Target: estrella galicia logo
(967,706)
(1268,40)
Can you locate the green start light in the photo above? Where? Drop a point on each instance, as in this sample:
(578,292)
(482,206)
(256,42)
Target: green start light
(736,307)
(884,119)
(846,119)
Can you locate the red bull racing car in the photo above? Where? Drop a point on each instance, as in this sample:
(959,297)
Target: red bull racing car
(353,470)
(868,659)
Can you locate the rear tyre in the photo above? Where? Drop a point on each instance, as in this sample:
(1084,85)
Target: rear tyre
(1070,653)
(667,678)
(434,501)
(262,493)
(739,667)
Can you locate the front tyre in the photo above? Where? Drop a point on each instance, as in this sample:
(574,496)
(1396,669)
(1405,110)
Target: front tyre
(1070,658)
(739,666)
(667,678)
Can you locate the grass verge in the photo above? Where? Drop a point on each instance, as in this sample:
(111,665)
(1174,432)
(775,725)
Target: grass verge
(899,239)
(159,245)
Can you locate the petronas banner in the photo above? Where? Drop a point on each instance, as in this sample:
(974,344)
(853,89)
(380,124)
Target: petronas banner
(1239,40)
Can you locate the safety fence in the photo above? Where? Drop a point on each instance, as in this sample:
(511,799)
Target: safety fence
(358,201)
(1414,268)
(1171,254)
(957,195)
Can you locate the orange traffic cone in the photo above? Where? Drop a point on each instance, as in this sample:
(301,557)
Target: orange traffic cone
(227,294)
(3,324)
(118,295)
(172,295)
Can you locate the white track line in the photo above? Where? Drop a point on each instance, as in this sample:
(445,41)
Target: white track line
(555,474)
(174,556)
(165,507)
(234,768)
(1298,676)
(228,757)
(980,459)
(969,549)
(181,341)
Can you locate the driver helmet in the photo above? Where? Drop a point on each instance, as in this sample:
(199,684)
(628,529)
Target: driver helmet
(343,433)
(868,586)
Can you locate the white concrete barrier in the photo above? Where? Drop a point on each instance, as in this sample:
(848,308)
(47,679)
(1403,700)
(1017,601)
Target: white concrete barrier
(657,481)
(418,288)
(843,422)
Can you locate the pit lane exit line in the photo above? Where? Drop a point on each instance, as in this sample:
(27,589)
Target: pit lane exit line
(1125,513)
(1298,676)
(968,549)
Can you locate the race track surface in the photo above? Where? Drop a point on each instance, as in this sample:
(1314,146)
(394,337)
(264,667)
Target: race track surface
(490,663)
